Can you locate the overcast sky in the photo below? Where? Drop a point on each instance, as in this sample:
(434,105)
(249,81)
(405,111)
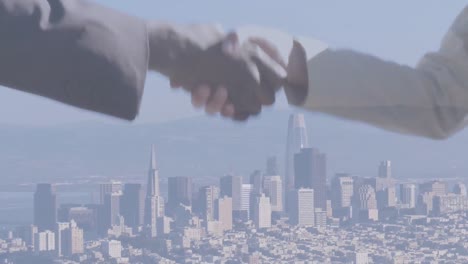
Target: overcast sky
(398,30)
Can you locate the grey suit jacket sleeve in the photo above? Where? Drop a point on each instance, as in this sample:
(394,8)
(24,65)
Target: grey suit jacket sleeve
(76,52)
(430,100)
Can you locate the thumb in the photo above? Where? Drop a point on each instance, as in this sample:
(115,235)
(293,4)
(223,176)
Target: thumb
(297,65)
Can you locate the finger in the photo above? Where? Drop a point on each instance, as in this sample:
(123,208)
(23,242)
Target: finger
(200,95)
(240,116)
(175,84)
(231,44)
(269,83)
(217,101)
(228,110)
(269,49)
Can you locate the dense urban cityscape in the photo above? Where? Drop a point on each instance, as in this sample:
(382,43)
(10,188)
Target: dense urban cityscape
(298,215)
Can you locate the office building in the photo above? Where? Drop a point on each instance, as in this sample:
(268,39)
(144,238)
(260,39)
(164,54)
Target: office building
(262,212)
(108,188)
(273,187)
(297,139)
(207,198)
(246,198)
(365,204)
(342,190)
(75,239)
(45,207)
(460,189)
(223,212)
(438,188)
(132,205)
(310,172)
(112,248)
(302,210)
(44,241)
(231,186)
(111,210)
(320,217)
(450,203)
(408,195)
(61,238)
(272,166)
(180,191)
(385,169)
(256,180)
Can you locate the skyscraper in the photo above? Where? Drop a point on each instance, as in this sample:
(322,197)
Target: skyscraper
(223,212)
(256,179)
(152,186)
(154,202)
(61,238)
(302,211)
(45,207)
(460,189)
(365,204)
(75,239)
(274,189)
(342,190)
(44,241)
(438,188)
(297,139)
(311,172)
(208,196)
(107,188)
(246,198)
(132,205)
(155,210)
(231,186)
(272,166)
(180,191)
(111,211)
(262,212)
(408,195)
(385,169)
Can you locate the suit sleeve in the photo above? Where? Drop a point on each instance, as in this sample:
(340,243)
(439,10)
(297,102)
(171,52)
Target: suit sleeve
(75,52)
(430,100)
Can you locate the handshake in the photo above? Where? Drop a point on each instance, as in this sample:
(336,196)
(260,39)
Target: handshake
(223,75)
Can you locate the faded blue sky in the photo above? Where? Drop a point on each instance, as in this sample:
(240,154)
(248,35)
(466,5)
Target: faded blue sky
(397,30)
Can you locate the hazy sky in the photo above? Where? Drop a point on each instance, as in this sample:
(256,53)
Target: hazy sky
(398,30)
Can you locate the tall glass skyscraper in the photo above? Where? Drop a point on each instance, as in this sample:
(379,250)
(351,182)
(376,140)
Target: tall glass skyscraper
(45,207)
(297,140)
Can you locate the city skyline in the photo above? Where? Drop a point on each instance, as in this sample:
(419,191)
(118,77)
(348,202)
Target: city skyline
(236,206)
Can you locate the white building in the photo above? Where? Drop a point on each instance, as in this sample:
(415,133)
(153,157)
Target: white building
(223,212)
(262,212)
(246,194)
(302,211)
(112,248)
(44,241)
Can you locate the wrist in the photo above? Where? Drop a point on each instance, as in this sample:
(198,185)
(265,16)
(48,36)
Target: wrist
(164,47)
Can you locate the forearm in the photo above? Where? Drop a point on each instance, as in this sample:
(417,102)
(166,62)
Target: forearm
(430,100)
(76,52)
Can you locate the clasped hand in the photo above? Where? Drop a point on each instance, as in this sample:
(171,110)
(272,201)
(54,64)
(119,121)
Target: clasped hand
(222,75)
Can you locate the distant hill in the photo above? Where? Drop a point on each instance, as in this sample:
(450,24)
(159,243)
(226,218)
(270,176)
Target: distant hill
(205,148)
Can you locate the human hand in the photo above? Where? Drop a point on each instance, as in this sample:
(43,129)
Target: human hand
(296,83)
(222,75)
